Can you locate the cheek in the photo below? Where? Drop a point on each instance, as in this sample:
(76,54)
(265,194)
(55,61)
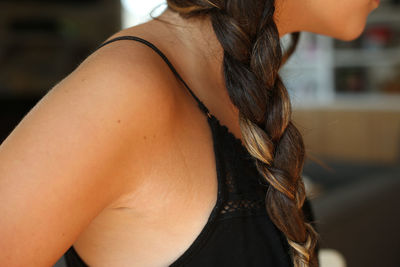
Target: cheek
(341,19)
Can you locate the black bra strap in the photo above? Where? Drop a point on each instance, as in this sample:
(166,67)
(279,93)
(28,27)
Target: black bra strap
(135,38)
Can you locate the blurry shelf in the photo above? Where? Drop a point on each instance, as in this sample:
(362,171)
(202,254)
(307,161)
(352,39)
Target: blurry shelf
(43,41)
(359,57)
(77,8)
(325,72)
(385,14)
(352,101)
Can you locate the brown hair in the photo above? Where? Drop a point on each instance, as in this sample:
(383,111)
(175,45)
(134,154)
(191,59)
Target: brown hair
(252,58)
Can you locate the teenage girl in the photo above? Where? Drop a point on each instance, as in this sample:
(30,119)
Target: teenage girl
(171,145)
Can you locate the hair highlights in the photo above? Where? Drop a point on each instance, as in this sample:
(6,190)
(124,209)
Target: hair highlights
(252,58)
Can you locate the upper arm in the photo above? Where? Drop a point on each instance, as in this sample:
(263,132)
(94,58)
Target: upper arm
(64,162)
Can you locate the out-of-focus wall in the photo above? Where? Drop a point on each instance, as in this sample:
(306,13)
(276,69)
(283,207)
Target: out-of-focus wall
(42,41)
(369,136)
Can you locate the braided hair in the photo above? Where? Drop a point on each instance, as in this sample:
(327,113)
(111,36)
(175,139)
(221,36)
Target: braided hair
(252,57)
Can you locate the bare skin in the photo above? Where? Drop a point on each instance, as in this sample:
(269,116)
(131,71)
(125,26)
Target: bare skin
(175,185)
(133,233)
(340,19)
(174,203)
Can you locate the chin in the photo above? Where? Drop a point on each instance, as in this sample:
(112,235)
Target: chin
(349,36)
(348,32)
(351,32)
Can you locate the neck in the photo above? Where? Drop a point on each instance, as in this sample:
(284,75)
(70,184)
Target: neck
(202,54)
(197,35)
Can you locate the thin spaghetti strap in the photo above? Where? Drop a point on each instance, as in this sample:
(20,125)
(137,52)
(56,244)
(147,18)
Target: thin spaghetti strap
(135,38)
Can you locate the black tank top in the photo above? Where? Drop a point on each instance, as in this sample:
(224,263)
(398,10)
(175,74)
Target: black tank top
(239,232)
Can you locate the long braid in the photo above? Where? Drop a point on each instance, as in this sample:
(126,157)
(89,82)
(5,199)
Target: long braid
(252,58)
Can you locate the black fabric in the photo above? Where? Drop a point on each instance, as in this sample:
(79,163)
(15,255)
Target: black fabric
(239,231)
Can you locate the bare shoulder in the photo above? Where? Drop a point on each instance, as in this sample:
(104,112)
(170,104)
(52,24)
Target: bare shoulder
(127,83)
(131,66)
(70,152)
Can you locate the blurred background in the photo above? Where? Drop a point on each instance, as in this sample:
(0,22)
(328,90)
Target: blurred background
(345,97)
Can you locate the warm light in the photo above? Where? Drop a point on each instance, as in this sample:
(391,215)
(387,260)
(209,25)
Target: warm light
(138,11)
